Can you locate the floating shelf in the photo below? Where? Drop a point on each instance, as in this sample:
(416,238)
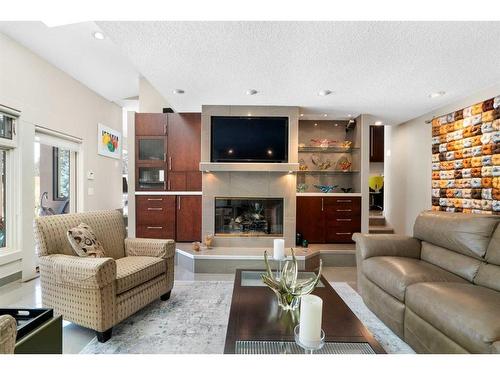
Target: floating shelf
(331,150)
(327,172)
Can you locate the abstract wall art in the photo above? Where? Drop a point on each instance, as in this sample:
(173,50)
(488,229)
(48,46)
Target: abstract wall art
(466,159)
(109,142)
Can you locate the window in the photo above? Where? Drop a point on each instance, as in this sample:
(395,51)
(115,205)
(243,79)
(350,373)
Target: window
(3,202)
(6,126)
(61,174)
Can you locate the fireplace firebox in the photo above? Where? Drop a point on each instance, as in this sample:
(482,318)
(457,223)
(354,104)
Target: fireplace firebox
(249,217)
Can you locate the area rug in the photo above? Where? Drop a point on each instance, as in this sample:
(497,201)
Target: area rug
(194,321)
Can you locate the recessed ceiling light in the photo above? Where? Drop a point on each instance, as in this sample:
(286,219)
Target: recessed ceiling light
(324,115)
(349,115)
(324,92)
(98,35)
(315,124)
(251,92)
(437,94)
(335,124)
(178,91)
(378,123)
(301,115)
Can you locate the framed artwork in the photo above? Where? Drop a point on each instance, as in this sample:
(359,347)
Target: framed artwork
(109,142)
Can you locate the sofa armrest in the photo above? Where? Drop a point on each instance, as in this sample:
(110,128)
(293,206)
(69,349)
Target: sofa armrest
(80,272)
(374,245)
(8,332)
(149,247)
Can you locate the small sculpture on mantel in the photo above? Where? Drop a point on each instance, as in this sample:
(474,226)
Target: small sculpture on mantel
(209,239)
(196,246)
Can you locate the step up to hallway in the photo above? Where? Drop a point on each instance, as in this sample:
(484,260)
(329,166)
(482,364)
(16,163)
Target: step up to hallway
(378,224)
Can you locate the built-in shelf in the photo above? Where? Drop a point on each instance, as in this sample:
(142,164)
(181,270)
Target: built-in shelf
(326,172)
(248,167)
(330,150)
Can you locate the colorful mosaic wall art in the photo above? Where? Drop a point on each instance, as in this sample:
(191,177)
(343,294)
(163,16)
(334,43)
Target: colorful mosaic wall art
(466,159)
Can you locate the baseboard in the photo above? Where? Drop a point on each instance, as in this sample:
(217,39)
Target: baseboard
(11,278)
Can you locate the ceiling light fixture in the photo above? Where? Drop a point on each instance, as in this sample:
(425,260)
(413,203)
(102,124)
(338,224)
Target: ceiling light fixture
(98,35)
(251,92)
(349,115)
(324,115)
(378,123)
(178,91)
(324,92)
(437,94)
(301,115)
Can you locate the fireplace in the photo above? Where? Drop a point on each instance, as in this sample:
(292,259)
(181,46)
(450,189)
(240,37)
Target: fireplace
(249,217)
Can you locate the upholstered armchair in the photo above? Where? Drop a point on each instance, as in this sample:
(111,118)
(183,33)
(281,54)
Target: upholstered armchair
(98,293)
(8,331)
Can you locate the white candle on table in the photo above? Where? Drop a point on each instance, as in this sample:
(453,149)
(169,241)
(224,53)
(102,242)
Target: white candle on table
(311,308)
(279,249)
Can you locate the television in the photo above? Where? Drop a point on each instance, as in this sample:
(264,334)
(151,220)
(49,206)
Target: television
(249,139)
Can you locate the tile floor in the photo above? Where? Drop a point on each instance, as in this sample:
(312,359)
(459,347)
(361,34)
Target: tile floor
(75,338)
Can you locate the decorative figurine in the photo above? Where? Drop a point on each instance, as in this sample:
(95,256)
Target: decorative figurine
(326,188)
(346,189)
(302,165)
(287,288)
(301,188)
(344,164)
(320,163)
(209,239)
(196,246)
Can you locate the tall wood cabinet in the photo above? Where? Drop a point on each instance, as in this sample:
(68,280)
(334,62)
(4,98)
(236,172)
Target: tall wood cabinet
(167,157)
(376,144)
(328,219)
(168,147)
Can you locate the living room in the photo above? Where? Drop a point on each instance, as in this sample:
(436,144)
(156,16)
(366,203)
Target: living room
(286,187)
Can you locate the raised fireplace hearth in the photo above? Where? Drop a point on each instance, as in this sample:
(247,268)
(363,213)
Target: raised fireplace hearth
(248,217)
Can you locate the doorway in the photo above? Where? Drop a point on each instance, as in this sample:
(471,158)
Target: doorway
(55,178)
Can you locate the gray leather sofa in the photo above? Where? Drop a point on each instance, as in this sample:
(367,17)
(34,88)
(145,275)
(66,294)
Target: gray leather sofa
(440,289)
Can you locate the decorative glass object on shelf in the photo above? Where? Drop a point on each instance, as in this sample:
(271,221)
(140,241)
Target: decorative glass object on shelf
(346,189)
(302,165)
(326,188)
(344,164)
(6,126)
(288,288)
(301,188)
(320,162)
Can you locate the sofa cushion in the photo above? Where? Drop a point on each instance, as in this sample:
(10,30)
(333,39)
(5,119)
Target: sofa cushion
(134,271)
(459,264)
(493,252)
(467,313)
(395,274)
(468,234)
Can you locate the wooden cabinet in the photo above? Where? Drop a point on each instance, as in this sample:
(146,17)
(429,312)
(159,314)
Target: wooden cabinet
(377,144)
(150,124)
(328,219)
(155,216)
(168,151)
(188,218)
(184,151)
(310,221)
(167,158)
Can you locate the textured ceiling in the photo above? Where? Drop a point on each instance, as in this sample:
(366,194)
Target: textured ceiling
(98,64)
(386,69)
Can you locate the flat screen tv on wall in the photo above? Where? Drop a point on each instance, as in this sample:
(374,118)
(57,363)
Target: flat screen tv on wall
(249,139)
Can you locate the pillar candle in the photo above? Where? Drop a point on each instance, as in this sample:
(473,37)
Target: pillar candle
(279,249)
(311,308)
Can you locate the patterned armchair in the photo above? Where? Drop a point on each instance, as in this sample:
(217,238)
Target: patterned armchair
(98,293)
(8,332)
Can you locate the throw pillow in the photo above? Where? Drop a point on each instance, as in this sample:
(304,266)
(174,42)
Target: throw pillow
(84,241)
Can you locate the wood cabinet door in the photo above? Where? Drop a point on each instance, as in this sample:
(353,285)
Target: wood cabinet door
(150,124)
(188,218)
(377,144)
(184,141)
(310,219)
(176,181)
(155,216)
(193,181)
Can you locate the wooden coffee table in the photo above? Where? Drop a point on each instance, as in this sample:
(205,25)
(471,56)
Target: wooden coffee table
(257,324)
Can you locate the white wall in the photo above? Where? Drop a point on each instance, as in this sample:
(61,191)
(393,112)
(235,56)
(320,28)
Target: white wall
(150,100)
(48,97)
(408,167)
